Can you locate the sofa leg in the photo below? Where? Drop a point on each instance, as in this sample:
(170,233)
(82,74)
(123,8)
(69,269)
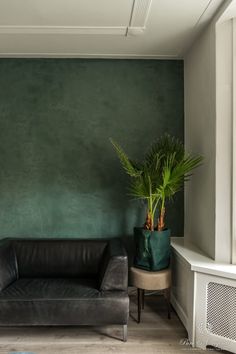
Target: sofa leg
(125,330)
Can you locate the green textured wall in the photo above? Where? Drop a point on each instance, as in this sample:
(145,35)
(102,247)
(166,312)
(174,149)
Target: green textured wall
(59,175)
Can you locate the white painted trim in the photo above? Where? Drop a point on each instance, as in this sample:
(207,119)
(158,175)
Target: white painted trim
(200,262)
(234,147)
(138,17)
(194,312)
(136,26)
(223,47)
(140,12)
(89,56)
(79,30)
(135,31)
(148,8)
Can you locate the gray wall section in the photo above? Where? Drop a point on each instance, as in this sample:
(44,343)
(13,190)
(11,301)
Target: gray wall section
(59,174)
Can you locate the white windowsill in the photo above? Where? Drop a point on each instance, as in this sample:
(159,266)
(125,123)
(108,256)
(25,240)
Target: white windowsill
(199,262)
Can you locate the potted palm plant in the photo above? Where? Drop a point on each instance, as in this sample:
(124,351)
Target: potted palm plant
(155,180)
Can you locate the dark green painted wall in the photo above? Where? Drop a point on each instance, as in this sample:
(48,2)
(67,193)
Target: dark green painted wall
(59,175)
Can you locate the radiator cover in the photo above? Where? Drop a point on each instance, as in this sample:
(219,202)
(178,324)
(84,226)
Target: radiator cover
(221,310)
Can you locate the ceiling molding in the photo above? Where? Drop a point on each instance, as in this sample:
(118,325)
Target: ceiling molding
(140,13)
(135,31)
(79,30)
(129,28)
(89,56)
(138,17)
(136,26)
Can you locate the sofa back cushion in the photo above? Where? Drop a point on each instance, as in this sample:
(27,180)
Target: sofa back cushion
(8,264)
(58,257)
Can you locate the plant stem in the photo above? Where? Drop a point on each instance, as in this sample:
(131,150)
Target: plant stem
(151,213)
(155,207)
(161,219)
(149,223)
(150,205)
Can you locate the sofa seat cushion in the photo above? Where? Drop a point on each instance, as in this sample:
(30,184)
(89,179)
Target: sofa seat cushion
(44,301)
(53,289)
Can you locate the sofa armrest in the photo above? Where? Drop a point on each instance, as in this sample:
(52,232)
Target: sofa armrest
(8,264)
(114,269)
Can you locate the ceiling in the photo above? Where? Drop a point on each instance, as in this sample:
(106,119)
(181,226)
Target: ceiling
(101,28)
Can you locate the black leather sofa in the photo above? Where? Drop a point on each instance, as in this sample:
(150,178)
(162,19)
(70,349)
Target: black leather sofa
(63,282)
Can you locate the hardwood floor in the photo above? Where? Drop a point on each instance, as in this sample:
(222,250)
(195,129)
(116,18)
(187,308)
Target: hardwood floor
(155,334)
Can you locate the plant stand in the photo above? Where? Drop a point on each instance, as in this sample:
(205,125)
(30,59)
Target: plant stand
(145,280)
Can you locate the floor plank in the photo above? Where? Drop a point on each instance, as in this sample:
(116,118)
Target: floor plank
(155,334)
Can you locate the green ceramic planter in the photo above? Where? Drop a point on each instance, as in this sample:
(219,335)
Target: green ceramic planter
(152,249)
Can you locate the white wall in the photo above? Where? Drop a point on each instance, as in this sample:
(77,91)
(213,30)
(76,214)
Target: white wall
(200,128)
(224,127)
(208,125)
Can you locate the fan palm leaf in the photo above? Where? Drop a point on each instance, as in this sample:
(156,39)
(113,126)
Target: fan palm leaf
(129,166)
(160,176)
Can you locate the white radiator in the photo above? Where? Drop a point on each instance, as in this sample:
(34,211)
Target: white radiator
(215,299)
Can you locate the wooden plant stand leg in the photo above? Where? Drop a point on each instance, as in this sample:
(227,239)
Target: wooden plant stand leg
(167,297)
(143,294)
(139,303)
